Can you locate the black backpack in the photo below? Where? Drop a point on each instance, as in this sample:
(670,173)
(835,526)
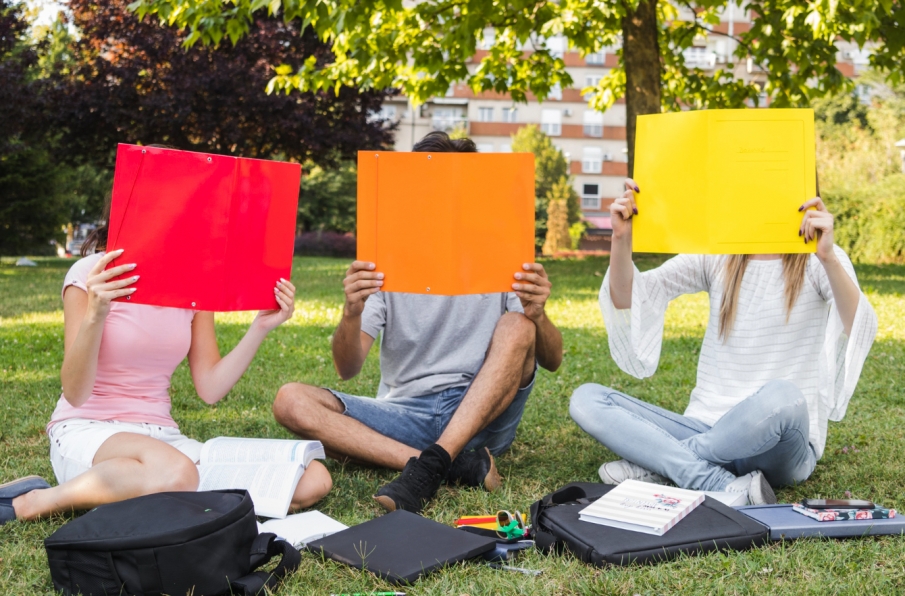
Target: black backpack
(176,543)
(711,526)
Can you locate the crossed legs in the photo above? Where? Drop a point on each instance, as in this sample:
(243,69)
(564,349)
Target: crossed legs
(315,413)
(130,465)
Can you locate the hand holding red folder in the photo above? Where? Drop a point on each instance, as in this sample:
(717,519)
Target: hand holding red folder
(208,232)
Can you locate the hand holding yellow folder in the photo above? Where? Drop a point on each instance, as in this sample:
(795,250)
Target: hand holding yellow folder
(723,181)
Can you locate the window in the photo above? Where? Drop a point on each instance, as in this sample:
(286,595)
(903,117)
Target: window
(591,81)
(488,40)
(592,160)
(386,112)
(551,122)
(448,119)
(485,147)
(505,148)
(556,92)
(485,114)
(596,59)
(590,196)
(510,114)
(593,123)
(556,45)
(699,57)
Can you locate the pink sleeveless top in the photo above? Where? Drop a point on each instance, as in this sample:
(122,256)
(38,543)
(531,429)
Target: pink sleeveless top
(140,348)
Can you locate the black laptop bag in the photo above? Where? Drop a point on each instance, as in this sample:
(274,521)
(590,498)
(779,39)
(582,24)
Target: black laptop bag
(177,543)
(711,526)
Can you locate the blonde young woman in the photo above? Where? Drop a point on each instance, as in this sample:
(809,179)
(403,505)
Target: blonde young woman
(785,342)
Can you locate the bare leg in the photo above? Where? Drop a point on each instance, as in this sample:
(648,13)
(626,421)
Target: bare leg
(313,486)
(315,413)
(127,465)
(509,364)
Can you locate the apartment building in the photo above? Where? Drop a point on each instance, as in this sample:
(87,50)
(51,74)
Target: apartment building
(593,142)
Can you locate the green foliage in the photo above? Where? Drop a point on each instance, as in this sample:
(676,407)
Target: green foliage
(576,231)
(549,450)
(422,48)
(328,198)
(550,167)
(32,207)
(860,171)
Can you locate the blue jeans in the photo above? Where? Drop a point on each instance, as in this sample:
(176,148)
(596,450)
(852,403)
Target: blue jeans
(767,431)
(419,421)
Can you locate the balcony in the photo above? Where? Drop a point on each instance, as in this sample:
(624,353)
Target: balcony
(593,130)
(551,129)
(449,123)
(697,57)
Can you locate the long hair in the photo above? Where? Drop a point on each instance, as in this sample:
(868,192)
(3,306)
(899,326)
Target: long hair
(793,269)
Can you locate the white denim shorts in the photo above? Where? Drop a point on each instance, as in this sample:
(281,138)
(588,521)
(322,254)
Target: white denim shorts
(75,442)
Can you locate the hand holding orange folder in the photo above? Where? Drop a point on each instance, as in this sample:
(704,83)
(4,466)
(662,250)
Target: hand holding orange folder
(446,223)
(208,232)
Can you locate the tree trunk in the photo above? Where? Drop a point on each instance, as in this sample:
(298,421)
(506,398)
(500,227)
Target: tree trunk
(641,59)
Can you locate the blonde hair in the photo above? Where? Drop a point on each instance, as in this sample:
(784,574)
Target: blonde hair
(793,268)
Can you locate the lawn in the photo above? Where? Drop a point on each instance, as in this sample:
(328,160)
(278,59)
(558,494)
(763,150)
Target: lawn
(865,454)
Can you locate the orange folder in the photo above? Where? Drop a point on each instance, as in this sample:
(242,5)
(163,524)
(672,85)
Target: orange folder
(208,232)
(446,223)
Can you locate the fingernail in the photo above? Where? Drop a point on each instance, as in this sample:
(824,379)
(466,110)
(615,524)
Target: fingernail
(135,276)
(132,289)
(380,276)
(379,283)
(516,287)
(518,276)
(637,189)
(526,266)
(799,232)
(635,210)
(800,208)
(132,266)
(370,265)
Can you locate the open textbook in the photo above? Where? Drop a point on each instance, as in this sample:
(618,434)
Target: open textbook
(269,469)
(302,528)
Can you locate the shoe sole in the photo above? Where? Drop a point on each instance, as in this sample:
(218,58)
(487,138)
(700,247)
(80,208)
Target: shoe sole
(26,479)
(492,481)
(387,503)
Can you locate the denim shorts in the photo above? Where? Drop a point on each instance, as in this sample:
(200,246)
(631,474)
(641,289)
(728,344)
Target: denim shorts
(419,421)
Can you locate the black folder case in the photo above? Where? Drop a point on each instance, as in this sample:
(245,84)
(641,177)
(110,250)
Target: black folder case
(401,546)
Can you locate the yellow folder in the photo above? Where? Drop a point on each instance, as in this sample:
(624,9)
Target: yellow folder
(723,181)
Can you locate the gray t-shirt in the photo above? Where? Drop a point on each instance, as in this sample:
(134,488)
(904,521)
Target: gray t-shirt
(432,343)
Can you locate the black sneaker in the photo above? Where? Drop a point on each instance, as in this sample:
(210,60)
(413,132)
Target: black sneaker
(475,468)
(412,489)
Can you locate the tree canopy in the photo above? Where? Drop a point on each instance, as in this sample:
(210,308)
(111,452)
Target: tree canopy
(423,47)
(131,81)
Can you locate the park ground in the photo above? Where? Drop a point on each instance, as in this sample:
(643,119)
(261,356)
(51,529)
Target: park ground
(865,454)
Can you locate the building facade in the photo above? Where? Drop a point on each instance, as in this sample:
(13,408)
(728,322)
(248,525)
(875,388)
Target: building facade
(593,142)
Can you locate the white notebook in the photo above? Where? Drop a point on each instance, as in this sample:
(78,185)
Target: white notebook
(301,528)
(642,507)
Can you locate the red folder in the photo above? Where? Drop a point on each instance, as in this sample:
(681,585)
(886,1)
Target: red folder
(208,232)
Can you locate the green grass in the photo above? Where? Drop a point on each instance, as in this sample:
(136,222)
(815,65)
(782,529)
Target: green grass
(865,453)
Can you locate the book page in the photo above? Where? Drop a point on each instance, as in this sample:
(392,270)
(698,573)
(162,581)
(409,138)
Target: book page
(301,528)
(270,486)
(238,450)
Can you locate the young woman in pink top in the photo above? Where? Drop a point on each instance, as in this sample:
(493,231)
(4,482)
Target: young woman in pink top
(111,435)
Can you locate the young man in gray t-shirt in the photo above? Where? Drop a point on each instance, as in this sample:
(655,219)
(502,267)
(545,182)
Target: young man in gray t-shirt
(456,372)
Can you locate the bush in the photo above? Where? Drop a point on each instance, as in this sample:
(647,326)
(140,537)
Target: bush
(325,244)
(328,198)
(870,223)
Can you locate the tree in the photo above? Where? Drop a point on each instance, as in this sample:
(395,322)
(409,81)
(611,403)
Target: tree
(130,81)
(423,47)
(31,206)
(550,167)
(557,238)
(329,198)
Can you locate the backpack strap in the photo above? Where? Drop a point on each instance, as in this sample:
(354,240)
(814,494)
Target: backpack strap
(263,549)
(544,540)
